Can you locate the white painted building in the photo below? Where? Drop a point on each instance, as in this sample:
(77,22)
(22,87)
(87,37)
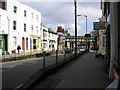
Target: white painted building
(3,30)
(52,39)
(44,38)
(48,39)
(24,27)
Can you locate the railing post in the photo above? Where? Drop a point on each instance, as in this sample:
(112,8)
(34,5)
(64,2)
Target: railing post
(24,54)
(74,51)
(15,54)
(4,55)
(70,52)
(56,56)
(43,60)
(64,54)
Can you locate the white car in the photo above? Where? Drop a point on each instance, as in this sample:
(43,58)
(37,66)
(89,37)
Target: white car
(82,49)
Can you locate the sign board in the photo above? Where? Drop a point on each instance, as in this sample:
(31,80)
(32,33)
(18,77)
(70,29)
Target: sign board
(99,25)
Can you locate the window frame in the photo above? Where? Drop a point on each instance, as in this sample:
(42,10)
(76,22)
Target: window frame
(25,27)
(14,25)
(15,9)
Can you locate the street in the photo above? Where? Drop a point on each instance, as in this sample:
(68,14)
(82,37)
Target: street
(16,73)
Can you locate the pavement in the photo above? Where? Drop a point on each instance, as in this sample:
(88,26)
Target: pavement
(8,57)
(84,72)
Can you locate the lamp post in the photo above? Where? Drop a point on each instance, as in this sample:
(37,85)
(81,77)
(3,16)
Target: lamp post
(86,27)
(86,21)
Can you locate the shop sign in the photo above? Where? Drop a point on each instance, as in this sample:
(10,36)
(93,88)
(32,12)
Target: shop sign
(99,25)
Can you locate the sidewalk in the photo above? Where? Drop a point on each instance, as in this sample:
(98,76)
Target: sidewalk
(26,54)
(85,72)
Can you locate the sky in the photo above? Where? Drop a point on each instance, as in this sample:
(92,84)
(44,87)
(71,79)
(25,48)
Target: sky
(61,13)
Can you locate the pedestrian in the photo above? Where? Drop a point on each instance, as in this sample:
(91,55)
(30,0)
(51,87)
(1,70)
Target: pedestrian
(18,48)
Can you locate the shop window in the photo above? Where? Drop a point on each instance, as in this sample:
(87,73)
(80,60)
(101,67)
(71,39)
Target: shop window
(0,44)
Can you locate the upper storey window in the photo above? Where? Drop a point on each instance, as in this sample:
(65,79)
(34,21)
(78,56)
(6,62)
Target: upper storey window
(15,9)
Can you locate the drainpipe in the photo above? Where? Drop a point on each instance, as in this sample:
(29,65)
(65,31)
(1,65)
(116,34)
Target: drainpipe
(8,34)
(113,28)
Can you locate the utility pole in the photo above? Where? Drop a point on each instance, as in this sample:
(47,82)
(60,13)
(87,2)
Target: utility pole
(75,27)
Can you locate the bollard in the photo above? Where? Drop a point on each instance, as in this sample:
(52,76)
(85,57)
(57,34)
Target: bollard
(74,52)
(15,54)
(64,54)
(24,54)
(43,60)
(70,52)
(4,55)
(56,56)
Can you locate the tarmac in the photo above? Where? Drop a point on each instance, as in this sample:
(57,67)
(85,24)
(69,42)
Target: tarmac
(86,72)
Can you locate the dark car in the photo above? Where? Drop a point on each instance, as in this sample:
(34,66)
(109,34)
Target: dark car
(67,50)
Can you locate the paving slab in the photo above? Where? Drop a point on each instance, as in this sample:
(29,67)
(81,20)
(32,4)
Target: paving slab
(84,72)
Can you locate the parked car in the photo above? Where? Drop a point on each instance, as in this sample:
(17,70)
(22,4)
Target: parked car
(82,49)
(67,50)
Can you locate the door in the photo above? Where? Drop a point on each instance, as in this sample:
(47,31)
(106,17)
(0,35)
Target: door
(34,43)
(1,46)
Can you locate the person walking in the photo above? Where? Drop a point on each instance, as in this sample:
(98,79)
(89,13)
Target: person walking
(18,48)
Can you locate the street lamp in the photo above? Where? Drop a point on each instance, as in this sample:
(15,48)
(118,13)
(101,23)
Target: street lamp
(86,26)
(86,21)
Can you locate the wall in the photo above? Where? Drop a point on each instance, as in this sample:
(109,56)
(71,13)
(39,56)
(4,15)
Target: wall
(19,17)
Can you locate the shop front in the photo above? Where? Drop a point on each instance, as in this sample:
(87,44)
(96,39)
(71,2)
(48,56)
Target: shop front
(34,43)
(3,43)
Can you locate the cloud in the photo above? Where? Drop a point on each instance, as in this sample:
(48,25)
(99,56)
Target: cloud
(62,13)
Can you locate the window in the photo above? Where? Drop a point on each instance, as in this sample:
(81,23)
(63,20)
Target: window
(37,17)
(15,9)
(44,45)
(27,43)
(49,34)
(0,20)
(25,13)
(37,29)
(24,27)
(3,5)
(14,25)
(14,41)
(32,15)
(103,41)
(32,28)
(1,44)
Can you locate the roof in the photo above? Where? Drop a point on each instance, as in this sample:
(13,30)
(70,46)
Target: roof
(51,31)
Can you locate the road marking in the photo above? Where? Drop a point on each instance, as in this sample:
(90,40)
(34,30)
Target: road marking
(19,60)
(18,87)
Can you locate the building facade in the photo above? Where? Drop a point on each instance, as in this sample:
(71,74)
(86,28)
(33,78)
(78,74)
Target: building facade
(44,38)
(23,26)
(112,18)
(52,39)
(3,31)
